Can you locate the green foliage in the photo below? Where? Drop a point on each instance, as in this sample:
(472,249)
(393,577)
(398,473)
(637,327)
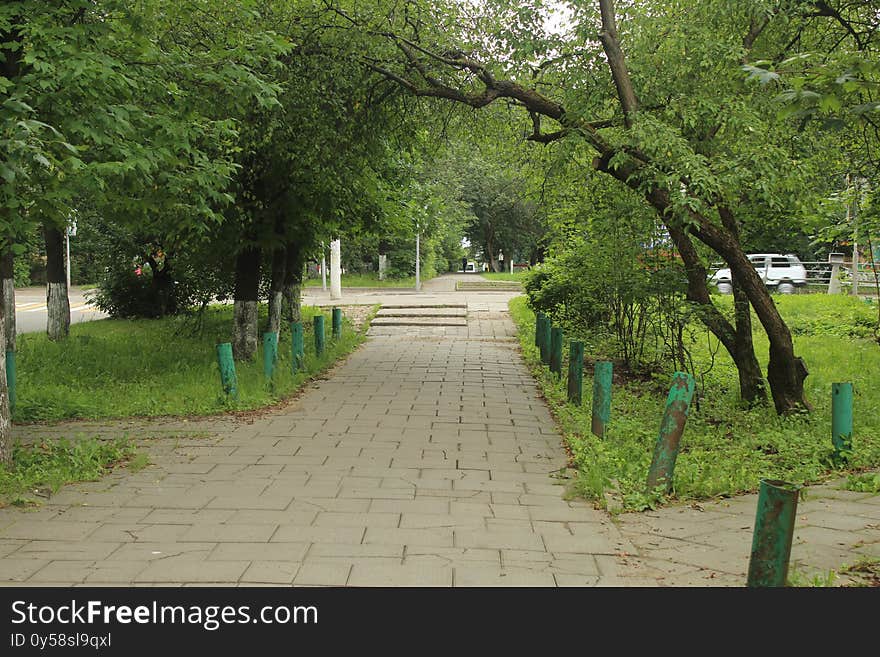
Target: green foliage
(726,450)
(42,469)
(866,482)
(624,300)
(118,368)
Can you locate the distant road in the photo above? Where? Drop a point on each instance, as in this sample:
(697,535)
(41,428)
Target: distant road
(30,309)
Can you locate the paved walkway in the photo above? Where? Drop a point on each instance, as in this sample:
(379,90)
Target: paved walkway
(427,458)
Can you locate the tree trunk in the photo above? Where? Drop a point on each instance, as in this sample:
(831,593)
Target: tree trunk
(276,289)
(786,371)
(58,305)
(162,285)
(293,272)
(751,381)
(741,350)
(7,276)
(247,287)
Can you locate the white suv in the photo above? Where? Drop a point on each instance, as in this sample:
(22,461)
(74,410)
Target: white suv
(785,273)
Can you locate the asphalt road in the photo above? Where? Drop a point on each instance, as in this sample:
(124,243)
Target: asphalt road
(30,309)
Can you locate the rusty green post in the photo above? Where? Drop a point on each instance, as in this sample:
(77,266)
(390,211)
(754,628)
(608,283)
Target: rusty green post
(297,346)
(774,528)
(270,353)
(319,334)
(227,369)
(545,341)
(337,322)
(556,350)
(575,372)
(841,420)
(10,378)
(602,377)
(671,428)
(540,318)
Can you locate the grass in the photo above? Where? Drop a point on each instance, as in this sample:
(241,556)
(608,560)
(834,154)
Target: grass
(121,368)
(502,276)
(367,280)
(726,449)
(40,470)
(865,572)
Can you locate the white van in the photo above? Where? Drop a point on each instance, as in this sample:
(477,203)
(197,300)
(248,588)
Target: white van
(784,273)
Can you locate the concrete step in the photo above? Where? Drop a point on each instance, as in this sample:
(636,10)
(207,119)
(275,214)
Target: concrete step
(488,286)
(413,306)
(419,321)
(422,312)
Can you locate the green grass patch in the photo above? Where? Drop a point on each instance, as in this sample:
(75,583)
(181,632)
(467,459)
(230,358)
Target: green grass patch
(367,280)
(120,368)
(40,470)
(502,276)
(726,449)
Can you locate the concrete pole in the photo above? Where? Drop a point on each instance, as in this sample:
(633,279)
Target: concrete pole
(323,269)
(418,250)
(67,247)
(335,269)
(855,257)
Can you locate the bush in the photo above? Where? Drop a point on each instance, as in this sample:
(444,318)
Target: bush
(623,302)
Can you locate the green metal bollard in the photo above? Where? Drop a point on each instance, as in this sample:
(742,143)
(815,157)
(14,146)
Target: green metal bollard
(575,372)
(270,353)
(297,346)
(227,369)
(540,318)
(10,378)
(319,334)
(602,377)
(556,350)
(544,346)
(337,323)
(841,419)
(774,528)
(671,428)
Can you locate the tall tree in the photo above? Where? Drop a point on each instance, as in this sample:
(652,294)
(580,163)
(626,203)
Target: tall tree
(661,102)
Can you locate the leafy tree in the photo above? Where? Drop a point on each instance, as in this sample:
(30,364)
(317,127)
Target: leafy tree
(658,96)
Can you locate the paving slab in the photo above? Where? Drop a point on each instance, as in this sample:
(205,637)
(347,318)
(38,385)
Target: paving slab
(425,459)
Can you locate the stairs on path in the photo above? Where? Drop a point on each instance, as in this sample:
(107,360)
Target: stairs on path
(440,315)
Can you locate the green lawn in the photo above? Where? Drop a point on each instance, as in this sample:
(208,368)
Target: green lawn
(367,280)
(118,368)
(726,449)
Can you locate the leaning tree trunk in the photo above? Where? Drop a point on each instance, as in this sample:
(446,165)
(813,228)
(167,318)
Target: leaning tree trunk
(7,277)
(293,274)
(276,289)
(57,303)
(736,340)
(785,371)
(247,287)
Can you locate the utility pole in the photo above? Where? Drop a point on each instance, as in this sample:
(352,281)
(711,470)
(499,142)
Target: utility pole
(336,269)
(68,233)
(418,249)
(855,217)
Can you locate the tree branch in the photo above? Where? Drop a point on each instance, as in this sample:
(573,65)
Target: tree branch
(617,62)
